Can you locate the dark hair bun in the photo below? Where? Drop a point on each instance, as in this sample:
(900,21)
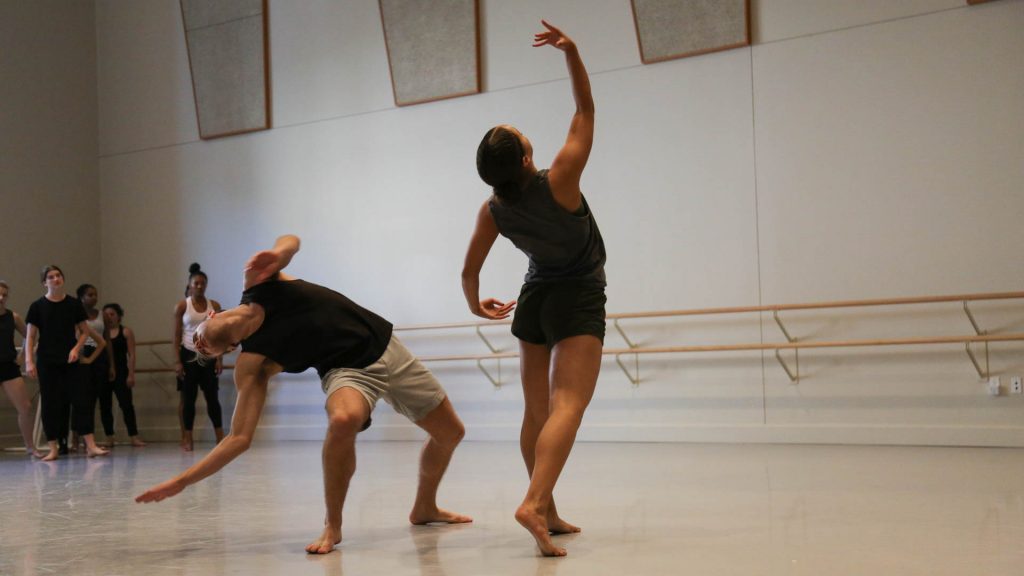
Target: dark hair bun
(195,267)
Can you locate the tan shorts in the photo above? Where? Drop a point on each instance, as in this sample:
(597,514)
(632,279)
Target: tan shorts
(397,377)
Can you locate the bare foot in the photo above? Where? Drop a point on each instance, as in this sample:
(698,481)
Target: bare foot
(326,542)
(558,526)
(33,452)
(438,515)
(538,528)
(96,451)
(51,456)
(137,442)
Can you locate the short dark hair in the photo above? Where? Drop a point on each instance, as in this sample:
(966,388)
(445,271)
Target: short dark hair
(83,289)
(116,308)
(47,269)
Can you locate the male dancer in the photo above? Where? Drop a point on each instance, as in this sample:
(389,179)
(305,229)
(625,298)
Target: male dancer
(288,325)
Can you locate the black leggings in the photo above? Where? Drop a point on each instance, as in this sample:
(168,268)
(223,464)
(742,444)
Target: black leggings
(65,388)
(198,377)
(106,392)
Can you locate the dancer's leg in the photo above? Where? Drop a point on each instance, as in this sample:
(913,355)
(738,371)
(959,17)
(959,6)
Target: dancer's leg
(16,393)
(347,410)
(576,362)
(446,431)
(534,364)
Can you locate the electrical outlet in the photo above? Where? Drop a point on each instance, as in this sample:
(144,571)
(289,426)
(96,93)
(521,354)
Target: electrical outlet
(993,386)
(1015,385)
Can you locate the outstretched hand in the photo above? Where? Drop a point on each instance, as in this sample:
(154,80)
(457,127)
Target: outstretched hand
(493,309)
(553,36)
(161,491)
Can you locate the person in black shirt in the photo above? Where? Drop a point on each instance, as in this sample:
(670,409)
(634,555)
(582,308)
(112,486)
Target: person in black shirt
(560,320)
(288,325)
(52,322)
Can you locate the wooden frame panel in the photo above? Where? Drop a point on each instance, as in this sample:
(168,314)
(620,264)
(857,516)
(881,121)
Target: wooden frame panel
(433,48)
(229,60)
(670,29)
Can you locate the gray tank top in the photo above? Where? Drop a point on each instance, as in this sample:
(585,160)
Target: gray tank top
(560,244)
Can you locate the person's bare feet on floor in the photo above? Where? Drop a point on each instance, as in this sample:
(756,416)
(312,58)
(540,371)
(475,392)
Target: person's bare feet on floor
(327,541)
(537,526)
(437,515)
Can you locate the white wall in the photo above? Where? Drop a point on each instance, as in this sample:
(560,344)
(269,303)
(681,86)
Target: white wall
(851,153)
(49,189)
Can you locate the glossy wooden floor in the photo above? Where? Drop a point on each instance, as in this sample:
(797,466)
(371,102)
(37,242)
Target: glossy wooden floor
(644,508)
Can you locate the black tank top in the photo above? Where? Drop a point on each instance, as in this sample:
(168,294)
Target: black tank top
(119,346)
(7,351)
(560,244)
(308,326)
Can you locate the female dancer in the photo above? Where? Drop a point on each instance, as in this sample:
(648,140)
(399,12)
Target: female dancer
(195,376)
(122,345)
(560,319)
(52,322)
(10,373)
(97,377)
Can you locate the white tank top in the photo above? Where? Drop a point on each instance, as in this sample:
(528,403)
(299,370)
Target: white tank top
(97,325)
(191,320)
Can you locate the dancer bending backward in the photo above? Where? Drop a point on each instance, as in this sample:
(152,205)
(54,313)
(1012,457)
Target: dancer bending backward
(52,322)
(10,373)
(560,318)
(194,376)
(289,325)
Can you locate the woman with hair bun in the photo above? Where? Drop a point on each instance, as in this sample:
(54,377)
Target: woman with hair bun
(560,317)
(195,376)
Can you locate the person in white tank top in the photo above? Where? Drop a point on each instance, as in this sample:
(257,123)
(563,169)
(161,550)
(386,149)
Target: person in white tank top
(193,377)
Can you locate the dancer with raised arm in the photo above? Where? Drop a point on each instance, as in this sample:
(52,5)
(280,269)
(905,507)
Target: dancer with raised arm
(285,324)
(560,320)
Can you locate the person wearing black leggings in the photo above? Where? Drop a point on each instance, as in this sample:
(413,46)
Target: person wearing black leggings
(122,344)
(188,314)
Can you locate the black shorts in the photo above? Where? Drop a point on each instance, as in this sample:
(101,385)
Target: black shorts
(9,371)
(548,312)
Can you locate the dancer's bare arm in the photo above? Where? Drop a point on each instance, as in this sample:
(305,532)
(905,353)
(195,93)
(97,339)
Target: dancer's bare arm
(129,335)
(567,168)
(179,331)
(266,264)
(252,372)
(85,331)
(29,348)
(484,234)
(19,325)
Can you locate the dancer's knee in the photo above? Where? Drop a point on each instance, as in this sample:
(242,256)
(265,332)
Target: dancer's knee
(342,423)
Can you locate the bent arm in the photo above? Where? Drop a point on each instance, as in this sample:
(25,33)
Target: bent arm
(480,243)
(251,378)
(264,265)
(86,331)
(479,246)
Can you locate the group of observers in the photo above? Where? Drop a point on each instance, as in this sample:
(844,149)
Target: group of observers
(82,355)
